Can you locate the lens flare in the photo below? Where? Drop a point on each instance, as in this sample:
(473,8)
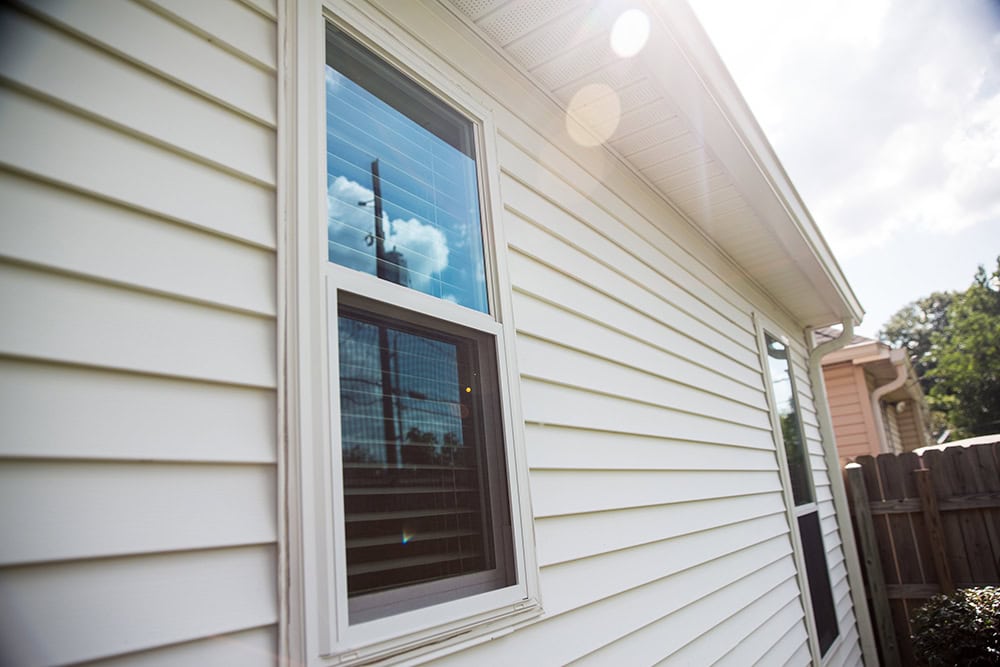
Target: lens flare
(593,114)
(629,33)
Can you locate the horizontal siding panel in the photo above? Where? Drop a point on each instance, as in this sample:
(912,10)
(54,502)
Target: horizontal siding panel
(566,538)
(616,218)
(785,625)
(791,649)
(846,652)
(553,404)
(530,276)
(557,492)
(573,635)
(56,145)
(82,76)
(551,322)
(718,623)
(620,283)
(68,232)
(250,648)
(231,23)
(64,510)
(267,8)
(556,364)
(554,447)
(107,415)
(616,250)
(578,583)
(651,643)
(69,612)
(56,318)
(153,41)
(852,428)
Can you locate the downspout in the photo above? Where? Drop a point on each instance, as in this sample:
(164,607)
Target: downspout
(853,563)
(898,359)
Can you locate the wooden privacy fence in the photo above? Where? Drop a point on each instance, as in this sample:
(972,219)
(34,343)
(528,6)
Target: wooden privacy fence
(924,525)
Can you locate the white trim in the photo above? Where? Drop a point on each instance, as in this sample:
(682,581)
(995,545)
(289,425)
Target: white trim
(852,561)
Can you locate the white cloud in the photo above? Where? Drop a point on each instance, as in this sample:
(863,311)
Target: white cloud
(351,226)
(885,113)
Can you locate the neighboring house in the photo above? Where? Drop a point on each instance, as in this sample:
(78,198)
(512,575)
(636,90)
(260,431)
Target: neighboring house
(328,339)
(876,402)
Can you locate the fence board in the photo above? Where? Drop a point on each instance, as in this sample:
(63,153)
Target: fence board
(906,560)
(989,479)
(864,529)
(950,523)
(910,462)
(977,548)
(936,521)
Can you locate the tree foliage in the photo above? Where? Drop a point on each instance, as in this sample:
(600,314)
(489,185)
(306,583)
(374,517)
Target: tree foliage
(912,327)
(954,344)
(966,375)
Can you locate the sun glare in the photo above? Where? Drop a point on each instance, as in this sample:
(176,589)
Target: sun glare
(593,114)
(629,33)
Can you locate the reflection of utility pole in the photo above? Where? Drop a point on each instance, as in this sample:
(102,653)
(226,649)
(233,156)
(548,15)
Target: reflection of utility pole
(380,266)
(390,265)
(385,358)
(388,419)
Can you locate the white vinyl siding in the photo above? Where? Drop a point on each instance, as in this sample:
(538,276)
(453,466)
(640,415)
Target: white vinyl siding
(660,521)
(659,514)
(138,349)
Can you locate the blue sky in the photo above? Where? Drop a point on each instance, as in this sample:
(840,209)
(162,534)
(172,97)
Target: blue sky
(886,116)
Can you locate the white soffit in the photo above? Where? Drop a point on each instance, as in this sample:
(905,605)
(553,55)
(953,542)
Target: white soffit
(684,127)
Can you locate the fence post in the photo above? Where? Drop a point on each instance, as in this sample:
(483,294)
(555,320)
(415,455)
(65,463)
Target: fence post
(873,566)
(935,531)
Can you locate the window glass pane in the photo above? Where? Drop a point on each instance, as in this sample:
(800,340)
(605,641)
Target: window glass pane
(788,415)
(818,576)
(417,500)
(402,188)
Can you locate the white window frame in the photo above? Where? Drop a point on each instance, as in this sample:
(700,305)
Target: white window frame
(765,328)
(318,631)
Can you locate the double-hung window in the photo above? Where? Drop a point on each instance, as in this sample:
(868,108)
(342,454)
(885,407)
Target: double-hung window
(420,531)
(790,440)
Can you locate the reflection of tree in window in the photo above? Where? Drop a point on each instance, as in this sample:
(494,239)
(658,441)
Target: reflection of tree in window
(783,391)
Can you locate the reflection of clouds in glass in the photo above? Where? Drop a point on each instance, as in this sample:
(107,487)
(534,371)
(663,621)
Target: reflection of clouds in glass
(351,229)
(425,247)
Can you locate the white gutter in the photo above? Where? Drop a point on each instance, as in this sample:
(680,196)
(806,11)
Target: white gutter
(851,560)
(898,359)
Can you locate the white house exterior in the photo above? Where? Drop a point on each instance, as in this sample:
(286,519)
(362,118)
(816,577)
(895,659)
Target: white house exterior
(172,445)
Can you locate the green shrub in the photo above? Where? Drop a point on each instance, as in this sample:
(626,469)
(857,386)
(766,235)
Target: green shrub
(959,629)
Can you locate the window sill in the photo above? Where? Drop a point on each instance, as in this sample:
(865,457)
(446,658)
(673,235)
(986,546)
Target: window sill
(438,642)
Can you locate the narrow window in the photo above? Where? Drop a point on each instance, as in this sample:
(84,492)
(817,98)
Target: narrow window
(791,438)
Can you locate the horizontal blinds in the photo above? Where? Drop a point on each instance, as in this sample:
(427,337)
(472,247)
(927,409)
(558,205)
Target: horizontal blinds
(402,183)
(413,485)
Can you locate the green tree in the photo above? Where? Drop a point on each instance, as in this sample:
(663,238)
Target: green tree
(965,378)
(912,328)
